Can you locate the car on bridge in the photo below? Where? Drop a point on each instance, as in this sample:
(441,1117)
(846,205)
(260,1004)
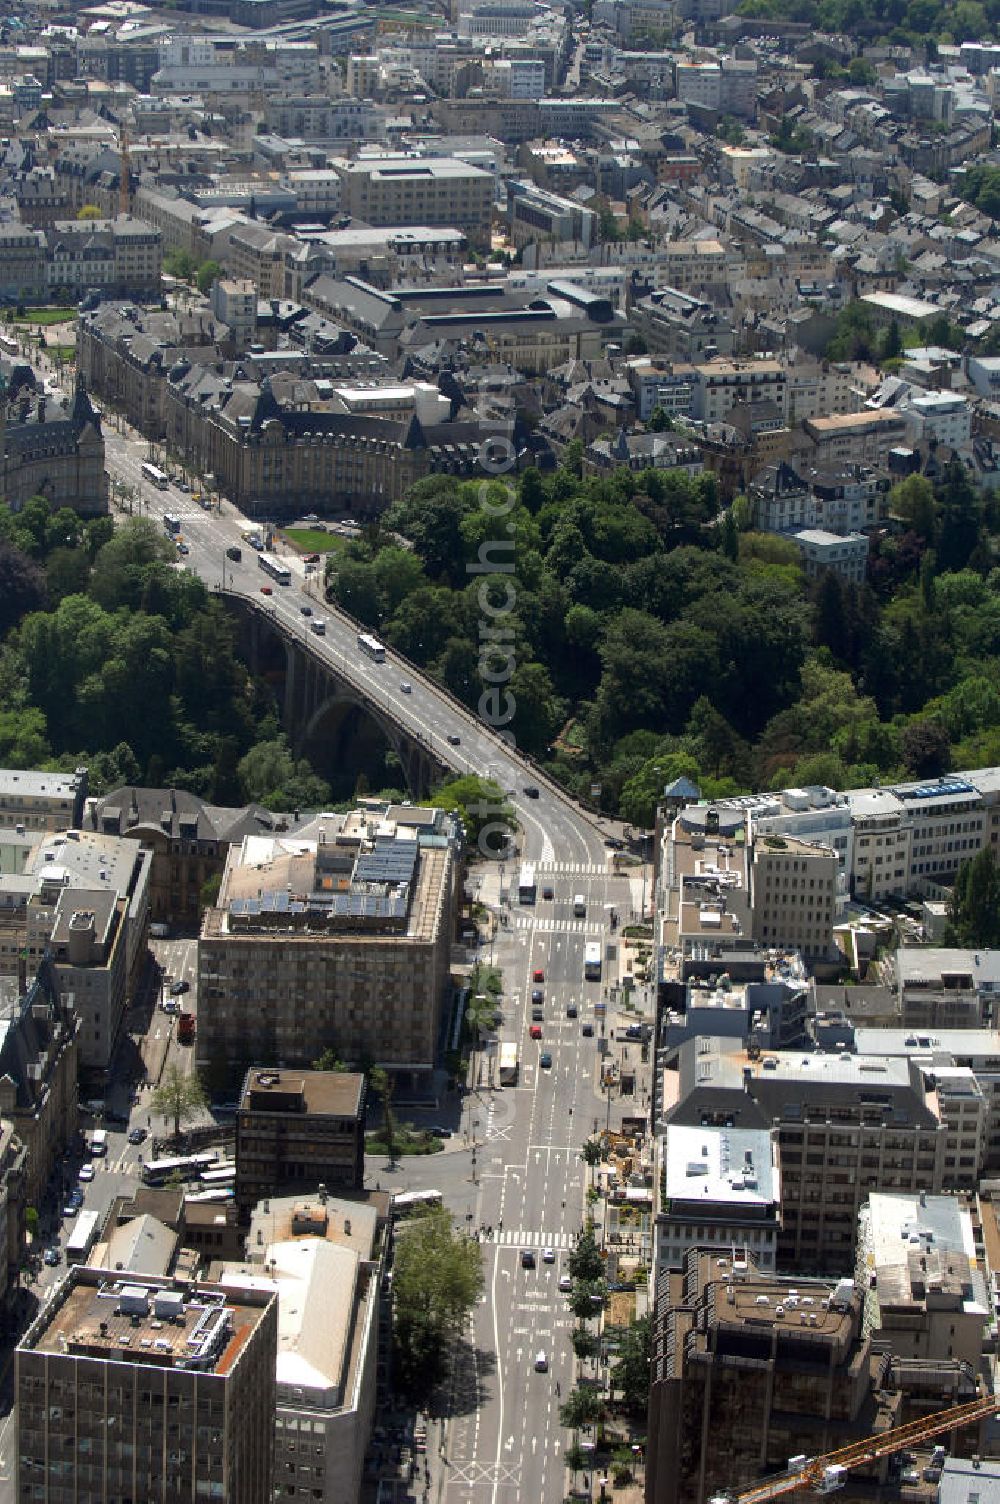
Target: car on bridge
(266,590)
(531,790)
(406,686)
(306,610)
(454,741)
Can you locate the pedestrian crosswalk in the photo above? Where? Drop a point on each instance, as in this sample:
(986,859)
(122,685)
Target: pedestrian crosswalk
(522,1238)
(544,926)
(571,869)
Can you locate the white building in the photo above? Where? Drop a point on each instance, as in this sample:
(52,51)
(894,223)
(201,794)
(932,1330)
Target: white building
(720,1189)
(846,554)
(942,417)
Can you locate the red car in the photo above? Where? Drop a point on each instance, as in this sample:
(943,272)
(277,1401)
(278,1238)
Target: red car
(535,1031)
(538,975)
(266,590)
(312,558)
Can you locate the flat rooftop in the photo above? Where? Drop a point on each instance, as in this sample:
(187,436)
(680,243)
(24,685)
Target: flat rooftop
(733,1165)
(95,1314)
(321,1093)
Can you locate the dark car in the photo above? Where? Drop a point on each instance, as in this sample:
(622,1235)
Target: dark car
(537,995)
(527,1258)
(588,1031)
(545,1061)
(439,1131)
(234,553)
(454,741)
(176,988)
(538,1015)
(570,1010)
(531,791)
(120,1118)
(137,1136)
(306,610)
(547,893)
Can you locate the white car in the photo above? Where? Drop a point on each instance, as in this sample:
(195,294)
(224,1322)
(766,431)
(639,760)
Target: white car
(548,1256)
(86,1172)
(542,1362)
(565,1283)
(406,686)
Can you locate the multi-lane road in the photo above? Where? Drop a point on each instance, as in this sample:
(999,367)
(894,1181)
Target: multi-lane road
(515,1163)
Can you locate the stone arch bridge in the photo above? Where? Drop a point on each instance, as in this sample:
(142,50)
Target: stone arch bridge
(339,718)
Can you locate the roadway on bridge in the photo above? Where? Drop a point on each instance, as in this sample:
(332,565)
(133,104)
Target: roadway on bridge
(554,829)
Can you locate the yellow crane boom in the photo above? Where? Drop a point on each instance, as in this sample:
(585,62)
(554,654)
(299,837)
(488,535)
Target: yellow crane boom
(827,1473)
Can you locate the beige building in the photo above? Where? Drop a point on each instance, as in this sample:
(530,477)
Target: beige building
(719,385)
(41,801)
(323,1258)
(924,1288)
(793,894)
(342,941)
(853,438)
(406,190)
(150,1388)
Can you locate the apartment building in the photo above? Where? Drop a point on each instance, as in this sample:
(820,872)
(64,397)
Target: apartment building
(843,554)
(719,1188)
(39,1057)
(924,1288)
(299,1129)
(147,1389)
(728,85)
(324,1259)
(854,438)
(122,255)
(719,385)
(55,450)
(41,801)
(341,939)
(407,190)
(847,1124)
(793,888)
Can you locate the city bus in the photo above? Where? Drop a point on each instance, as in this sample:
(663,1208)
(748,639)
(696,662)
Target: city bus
(221,1193)
(187,1166)
(155,476)
(405,1203)
(171,524)
(592,961)
(224,1175)
(526,890)
(508,1063)
(272,566)
(83,1237)
(371,646)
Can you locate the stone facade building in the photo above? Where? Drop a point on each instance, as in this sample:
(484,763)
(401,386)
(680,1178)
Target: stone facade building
(50,450)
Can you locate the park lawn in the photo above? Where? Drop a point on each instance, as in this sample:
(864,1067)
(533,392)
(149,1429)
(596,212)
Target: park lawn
(309,540)
(46,316)
(65,353)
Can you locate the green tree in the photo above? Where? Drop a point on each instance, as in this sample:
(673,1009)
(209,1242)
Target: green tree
(478,802)
(913,501)
(585,1262)
(179,1096)
(631,1374)
(437,1280)
(31,1221)
(208,273)
(384,1084)
(583,1406)
(591,1155)
(329,1061)
(974,912)
(926,749)
(586,1344)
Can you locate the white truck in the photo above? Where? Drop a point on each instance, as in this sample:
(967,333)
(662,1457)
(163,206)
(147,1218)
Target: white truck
(508,1063)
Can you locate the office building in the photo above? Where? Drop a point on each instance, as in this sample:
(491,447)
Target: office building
(147,1390)
(793,894)
(339,939)
(409,190)
(299,1130)
(942,988)
(41,801)
(847,1124)
(720,1189)
(924,1289)
(324,1259)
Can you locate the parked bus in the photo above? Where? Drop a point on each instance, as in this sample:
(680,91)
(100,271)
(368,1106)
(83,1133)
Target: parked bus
(272,566)
(592,961)
(83,1237)
(526,890)
(371,646)
(221,1193)
(99,1142)
(508,1064)
(155,476)
(224,1175)
(404,1203)
(171,524)
(188,1166)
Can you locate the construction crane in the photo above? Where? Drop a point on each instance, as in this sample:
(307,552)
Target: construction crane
(823,1475)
